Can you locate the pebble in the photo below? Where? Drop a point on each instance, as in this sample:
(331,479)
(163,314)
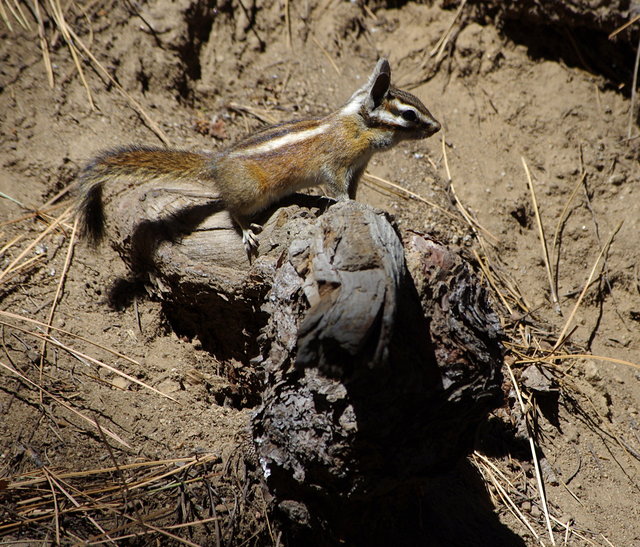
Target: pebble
(617,179)
(591,373)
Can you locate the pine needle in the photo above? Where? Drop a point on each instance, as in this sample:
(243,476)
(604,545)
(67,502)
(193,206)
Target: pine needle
(77,504)
(634,93)
(58,16)
(287,21)
(551,357)
(508,501)
(626,25)
(586,287)
(4,16)
(473,223)
(44,46)
(47,474)
(37,240)
(532,446)
(18,15)
(64,404)
(56,298)
(441,44)
(326,54)
(84,357)
(543,241)
(374,179)
(135,104)
(556,234)
(69,333)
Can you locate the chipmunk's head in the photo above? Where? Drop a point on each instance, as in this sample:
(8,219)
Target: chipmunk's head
(397,114)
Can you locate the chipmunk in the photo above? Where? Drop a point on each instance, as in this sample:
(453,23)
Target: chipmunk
(277,161)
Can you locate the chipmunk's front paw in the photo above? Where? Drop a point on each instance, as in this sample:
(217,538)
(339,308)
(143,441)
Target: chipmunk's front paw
(250,240)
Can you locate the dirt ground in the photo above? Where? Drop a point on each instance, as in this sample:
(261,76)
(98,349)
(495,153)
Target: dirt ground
(209,72)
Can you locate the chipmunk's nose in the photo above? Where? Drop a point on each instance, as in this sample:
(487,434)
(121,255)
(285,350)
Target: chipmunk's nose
(433,127)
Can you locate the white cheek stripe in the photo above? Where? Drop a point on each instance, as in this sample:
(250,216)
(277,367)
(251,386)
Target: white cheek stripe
(284,140)
(387,117)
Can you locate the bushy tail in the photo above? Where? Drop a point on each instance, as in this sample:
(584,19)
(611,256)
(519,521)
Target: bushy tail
(90,209)
(133,164)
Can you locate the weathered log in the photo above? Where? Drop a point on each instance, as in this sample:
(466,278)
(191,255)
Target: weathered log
(376,371)
(182,247)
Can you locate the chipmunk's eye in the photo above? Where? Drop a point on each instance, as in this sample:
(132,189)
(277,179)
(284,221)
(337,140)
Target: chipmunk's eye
(409,115)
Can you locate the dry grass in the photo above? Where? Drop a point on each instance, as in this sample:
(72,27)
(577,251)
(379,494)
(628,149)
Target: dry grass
(57,16)
(181,500)
(532,344)
(160,499)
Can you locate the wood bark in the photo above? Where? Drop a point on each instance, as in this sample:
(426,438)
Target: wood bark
(374,361)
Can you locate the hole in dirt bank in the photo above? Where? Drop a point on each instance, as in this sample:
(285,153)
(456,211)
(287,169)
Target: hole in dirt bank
(496,439)
(575,33)
(578,47)
(228,330)
(225,329)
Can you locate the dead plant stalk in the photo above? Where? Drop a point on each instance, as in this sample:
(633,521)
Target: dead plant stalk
(543,241)
(532,446)
(56,298)
(586,287)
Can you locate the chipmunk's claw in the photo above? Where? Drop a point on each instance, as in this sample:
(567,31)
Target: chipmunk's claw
(250,241)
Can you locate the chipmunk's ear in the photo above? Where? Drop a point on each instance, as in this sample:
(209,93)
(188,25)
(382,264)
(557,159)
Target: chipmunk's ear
(379,82)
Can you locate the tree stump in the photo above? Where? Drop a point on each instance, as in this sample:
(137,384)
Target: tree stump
(375,362)
(375,380)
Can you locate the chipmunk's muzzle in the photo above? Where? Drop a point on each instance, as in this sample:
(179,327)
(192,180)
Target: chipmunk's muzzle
(430,127)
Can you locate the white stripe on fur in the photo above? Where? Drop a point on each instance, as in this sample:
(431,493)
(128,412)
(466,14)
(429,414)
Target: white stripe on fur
(280,142)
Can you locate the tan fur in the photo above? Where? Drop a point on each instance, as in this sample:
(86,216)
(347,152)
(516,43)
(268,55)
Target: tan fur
(168,161)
